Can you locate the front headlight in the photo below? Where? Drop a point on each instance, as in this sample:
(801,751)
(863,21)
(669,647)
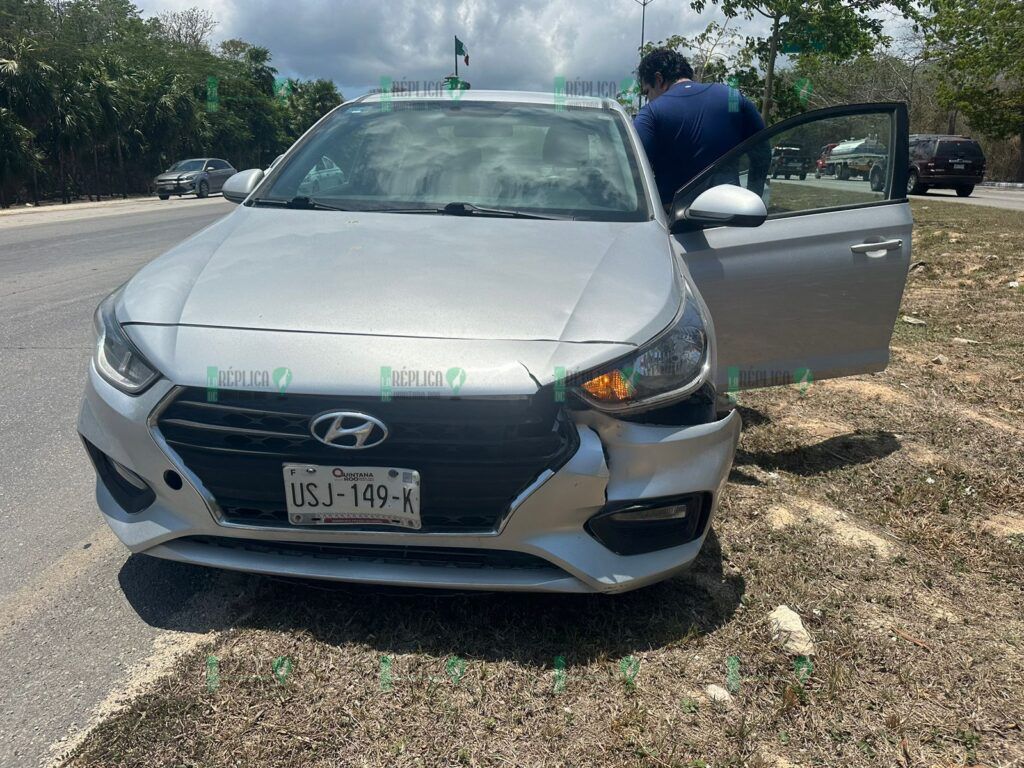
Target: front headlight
(669,368)
(117,360)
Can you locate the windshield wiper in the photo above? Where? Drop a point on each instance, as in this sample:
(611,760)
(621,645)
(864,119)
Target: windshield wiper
(301,202)
(468,209)
(459,208)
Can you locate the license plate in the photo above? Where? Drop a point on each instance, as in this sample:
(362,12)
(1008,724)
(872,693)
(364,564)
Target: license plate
(322,495)
(958,166)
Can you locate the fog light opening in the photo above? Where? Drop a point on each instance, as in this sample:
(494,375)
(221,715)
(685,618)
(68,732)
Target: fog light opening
(674,512)
(173,480)
(648,525)
(130,491)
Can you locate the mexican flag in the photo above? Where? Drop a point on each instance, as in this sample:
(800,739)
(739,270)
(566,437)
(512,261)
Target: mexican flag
(460,50)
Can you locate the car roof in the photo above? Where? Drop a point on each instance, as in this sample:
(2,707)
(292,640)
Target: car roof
(514,97)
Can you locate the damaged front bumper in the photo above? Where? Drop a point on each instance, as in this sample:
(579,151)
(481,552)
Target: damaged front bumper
(543,543)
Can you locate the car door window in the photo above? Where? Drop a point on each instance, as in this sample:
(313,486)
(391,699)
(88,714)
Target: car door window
(780,166)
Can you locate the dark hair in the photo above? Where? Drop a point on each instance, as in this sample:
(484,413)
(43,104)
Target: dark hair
(672,66)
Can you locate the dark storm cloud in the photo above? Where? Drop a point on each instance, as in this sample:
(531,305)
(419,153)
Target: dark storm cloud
(520,44)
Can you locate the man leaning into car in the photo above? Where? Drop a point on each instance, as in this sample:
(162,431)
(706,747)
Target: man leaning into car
(686,126)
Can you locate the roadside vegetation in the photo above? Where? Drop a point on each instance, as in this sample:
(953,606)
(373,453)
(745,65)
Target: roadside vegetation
(885,510)
(96,100)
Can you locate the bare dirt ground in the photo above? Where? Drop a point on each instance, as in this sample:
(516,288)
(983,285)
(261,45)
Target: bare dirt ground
(886,510)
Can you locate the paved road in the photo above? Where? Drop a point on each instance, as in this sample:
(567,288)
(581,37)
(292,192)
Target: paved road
(78,617)
(994,197)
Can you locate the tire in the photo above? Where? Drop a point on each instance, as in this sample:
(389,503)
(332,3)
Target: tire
(914,185)
(843,173)
(965,190)
(803,176)
(876,179)
(164,197)
(786,176)
(203,190)
(775,175)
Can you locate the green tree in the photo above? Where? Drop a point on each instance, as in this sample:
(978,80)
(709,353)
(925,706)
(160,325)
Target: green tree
(979,50)
(838,29)
(308,102)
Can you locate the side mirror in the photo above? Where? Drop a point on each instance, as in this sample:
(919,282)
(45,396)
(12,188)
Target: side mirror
(726,204)
(241,185)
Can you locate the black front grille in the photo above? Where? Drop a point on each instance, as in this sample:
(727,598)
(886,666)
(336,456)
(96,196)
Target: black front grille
(474,455)
(447,557)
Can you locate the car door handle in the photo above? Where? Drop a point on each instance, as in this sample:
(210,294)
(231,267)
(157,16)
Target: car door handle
(873,249)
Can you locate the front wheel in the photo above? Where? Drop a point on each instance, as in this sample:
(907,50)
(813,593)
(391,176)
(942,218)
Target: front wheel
(786,176)
(876,180)
(965,190)
(164,197)
(203,190)
(803,176)
(914,185)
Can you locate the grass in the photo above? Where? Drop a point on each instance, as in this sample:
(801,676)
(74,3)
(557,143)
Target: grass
(886,510)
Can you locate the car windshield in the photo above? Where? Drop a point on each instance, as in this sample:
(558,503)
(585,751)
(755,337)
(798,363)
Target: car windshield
(953,148)
(187,165)
(552,160)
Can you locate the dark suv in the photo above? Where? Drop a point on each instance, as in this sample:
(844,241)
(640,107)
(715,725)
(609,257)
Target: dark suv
(944,162)
(790,160)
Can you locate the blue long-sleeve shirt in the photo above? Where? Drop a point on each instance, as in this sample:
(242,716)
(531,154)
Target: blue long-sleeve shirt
(690,126)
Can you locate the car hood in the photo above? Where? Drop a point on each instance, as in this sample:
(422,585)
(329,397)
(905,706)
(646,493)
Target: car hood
(174,175)
(414,276)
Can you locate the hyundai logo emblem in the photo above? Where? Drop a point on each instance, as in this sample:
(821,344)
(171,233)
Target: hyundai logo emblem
(350,430)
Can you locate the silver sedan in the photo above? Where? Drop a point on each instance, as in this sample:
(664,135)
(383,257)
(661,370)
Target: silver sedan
(483,355)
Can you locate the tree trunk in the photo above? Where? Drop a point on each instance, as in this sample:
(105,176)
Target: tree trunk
(63,179)
(951,123)
(120,165)
(769,72)
(1020,157)
(96,171)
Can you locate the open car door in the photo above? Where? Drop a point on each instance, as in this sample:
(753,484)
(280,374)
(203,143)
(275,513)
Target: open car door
(813,290)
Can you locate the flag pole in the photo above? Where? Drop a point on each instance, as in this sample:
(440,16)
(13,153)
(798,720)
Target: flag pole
(456,55)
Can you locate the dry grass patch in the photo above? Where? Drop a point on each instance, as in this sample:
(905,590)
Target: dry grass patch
(884,510)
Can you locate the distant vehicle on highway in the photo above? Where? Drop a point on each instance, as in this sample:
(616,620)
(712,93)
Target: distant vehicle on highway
(200,176)
(942,161)
(856,157)
(939,161)
(790,160)
(824,165)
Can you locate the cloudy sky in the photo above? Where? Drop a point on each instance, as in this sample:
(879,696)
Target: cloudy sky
(521,44)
